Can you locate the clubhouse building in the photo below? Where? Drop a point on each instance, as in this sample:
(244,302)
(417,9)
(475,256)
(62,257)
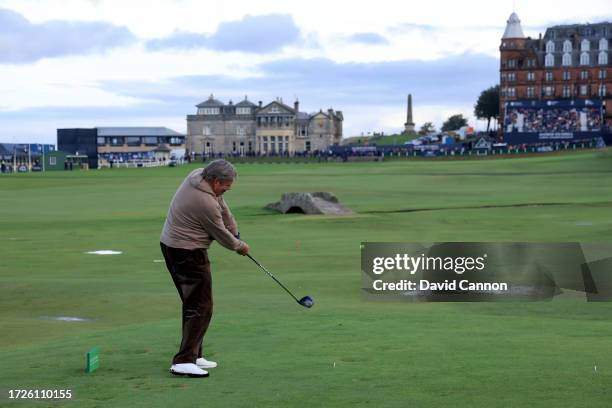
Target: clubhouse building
(249,129)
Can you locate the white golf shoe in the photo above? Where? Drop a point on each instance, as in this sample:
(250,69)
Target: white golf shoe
(188,369)
(204,363)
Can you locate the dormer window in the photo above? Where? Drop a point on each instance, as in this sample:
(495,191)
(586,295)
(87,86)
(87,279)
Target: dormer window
(243,111)
(585,45)
(549,60)
(567,46)
(567,59)
(584,58)
(550,46)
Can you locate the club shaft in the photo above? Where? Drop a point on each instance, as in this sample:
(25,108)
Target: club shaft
(273,277)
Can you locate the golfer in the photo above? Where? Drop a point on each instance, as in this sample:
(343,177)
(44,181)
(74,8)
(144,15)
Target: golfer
(197,216)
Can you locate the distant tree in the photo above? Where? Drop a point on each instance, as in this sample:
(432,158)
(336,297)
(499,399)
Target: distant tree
(427,128)
(487,106)
(454,122)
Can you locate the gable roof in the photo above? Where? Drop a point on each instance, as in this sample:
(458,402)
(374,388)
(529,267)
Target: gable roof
(282,105)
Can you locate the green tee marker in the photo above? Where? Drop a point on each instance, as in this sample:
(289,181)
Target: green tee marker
(93,360)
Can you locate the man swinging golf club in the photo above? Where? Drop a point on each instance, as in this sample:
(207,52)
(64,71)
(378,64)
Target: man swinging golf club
(198,215)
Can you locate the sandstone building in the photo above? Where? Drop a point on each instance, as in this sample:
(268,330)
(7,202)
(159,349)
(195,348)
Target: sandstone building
(249,129)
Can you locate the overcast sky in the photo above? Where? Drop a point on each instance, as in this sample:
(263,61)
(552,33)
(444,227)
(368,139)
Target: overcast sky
(87,63)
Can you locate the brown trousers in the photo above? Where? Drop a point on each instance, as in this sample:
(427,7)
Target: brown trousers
(190,271)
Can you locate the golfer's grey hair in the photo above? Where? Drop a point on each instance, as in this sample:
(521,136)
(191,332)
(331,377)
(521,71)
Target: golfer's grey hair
(219,170)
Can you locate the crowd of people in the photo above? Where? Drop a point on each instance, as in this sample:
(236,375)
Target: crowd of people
(553,120)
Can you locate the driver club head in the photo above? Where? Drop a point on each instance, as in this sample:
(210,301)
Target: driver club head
(306,301)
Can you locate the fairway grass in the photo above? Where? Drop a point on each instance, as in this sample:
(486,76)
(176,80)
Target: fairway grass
(343,352)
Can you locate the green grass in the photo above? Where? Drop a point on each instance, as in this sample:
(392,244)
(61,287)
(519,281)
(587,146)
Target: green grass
(272,352)
(394,139)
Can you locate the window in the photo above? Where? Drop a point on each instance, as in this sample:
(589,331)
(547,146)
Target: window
(548,76)
(531,92)
(584,58)
(503,77)
(567,46)
(550,46)
(603,44)
(117,141)
(511,92)
(585,45)
(584,75)
(273,138)
(511,63)
(206,131)
(307,146)
(567,59)
(549,60)
(602,74)
(584,90)
(531,76)
(176,141)
(208,111)
(133,141)
(241,131)
(549,90)
(511,76)
(274,109)
(150,140)
(601,91)
(566,92)
(101,141)
(243,111)
(52,160)
(233,146)
(602,59)
(567,75)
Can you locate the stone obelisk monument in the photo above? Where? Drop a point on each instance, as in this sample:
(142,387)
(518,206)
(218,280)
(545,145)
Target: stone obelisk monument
(409,125)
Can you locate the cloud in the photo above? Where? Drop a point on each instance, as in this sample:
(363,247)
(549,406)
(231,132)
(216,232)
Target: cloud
(22,41)
(180,40)
(372,96)
(256,34)
(320,83)
(368,38)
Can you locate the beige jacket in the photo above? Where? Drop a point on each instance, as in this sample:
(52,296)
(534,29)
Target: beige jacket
(196,217)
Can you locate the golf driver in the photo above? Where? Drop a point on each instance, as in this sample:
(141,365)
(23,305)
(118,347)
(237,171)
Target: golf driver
(306,301)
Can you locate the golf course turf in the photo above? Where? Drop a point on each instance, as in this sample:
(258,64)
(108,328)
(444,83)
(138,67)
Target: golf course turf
(345,351)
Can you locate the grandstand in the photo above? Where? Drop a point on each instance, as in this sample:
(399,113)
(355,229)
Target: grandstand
(529,122)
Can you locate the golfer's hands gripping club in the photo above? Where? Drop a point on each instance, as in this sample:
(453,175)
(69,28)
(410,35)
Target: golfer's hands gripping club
(244,250)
